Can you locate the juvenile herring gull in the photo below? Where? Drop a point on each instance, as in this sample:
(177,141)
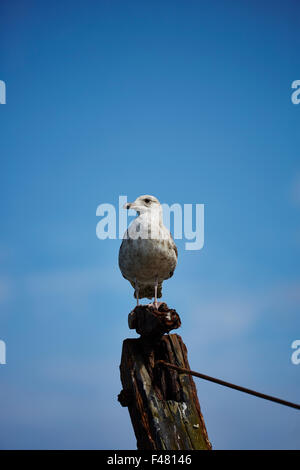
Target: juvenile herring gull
(148,254)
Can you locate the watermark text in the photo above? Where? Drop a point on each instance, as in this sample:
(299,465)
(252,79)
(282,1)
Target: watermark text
(295,97)
(2,92)
(187,223)
(295,358)
(2,352)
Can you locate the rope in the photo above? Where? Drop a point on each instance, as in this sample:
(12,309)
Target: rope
(230,385)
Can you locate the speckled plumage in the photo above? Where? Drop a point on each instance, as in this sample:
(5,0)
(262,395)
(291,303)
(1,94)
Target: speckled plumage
(148,253)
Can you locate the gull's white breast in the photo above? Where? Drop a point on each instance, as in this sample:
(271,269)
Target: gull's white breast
(147,254)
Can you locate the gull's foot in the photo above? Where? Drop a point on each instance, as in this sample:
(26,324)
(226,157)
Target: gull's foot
(155,305)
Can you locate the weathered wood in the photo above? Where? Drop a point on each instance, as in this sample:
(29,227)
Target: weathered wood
(162,403)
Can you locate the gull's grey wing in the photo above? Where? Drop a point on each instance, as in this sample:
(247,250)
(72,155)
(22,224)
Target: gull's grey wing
(174,245)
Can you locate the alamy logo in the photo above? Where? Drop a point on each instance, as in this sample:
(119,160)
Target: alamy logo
(2,92)
(2,352)
(296,94)
(188,222)
(295,358)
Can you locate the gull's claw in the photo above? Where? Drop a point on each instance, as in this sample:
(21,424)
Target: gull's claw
(155,305)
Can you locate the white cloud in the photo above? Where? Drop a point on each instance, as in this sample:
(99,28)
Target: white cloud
(50,293)
(295,190)
(64,281)
(232,315)
(226,317)
(5,289)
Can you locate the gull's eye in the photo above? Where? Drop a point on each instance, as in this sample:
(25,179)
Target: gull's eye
(147,200)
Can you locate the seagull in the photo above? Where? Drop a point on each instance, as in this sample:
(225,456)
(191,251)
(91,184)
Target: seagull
(148,254)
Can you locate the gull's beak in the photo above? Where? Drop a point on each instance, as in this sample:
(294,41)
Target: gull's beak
(132,205)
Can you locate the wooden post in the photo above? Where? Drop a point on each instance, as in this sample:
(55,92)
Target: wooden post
(162,403)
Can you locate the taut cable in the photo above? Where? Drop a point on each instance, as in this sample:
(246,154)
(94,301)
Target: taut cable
(230,385)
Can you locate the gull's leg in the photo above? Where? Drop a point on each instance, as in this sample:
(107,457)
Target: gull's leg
(137,292)
(155,293)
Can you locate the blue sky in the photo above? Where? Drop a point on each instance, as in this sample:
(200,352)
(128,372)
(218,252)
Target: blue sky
(191,102)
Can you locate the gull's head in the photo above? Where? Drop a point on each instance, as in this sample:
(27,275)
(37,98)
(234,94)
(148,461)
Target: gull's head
(145,203)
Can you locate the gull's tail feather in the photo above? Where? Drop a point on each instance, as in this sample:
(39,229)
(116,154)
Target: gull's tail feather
(147,291)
